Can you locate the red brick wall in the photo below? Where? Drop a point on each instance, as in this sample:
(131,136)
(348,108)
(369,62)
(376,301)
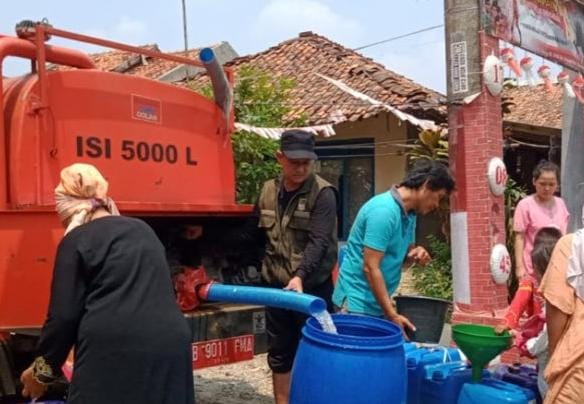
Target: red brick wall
(478,127)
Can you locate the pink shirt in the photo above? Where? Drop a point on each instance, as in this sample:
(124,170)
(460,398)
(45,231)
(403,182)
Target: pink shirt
(530,217)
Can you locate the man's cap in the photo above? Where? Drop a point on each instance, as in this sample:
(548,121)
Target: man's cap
(297,145)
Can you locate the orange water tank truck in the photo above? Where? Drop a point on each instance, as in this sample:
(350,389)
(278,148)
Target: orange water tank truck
(167,154)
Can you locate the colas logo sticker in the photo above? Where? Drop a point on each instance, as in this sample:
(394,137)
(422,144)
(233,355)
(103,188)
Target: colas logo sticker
(146,109)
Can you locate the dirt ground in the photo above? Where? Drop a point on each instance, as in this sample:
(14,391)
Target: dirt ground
(242,382)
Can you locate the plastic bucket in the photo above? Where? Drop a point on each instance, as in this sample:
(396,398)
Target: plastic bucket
(363,364)
(427,313)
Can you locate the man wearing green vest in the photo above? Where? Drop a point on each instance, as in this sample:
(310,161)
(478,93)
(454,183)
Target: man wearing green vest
(298,218)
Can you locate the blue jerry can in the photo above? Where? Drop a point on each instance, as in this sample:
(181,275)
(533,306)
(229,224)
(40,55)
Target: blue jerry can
(492,391)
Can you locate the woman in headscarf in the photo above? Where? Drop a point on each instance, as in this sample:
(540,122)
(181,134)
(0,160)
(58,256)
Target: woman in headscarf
(112,300)
(563,289)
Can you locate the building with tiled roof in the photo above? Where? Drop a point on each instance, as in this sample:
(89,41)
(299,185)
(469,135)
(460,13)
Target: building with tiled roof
(157,69)
(534,109)
(532,126)
(309,58)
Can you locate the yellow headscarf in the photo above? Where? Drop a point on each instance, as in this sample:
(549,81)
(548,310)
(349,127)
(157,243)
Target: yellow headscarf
(81,191)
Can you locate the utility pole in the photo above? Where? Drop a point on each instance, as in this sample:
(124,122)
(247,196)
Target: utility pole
(184,15)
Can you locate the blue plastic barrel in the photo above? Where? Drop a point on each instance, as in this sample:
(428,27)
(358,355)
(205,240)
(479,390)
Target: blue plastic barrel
(363,364)
(493,391)
(442,383)
(418,359)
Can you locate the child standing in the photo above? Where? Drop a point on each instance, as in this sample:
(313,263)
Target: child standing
(531,336)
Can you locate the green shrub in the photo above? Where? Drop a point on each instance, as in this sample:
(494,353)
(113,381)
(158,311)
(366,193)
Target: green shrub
(259,99)
(435,279)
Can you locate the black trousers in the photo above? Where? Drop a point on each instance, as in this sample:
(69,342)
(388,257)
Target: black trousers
(284,327)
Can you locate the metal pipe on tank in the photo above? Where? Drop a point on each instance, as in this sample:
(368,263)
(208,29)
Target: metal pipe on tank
(10,46)
(221,89)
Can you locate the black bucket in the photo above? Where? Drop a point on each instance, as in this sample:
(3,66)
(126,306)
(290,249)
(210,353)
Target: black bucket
(427,313)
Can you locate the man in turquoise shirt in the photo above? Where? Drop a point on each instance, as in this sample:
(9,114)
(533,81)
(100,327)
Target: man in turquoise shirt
(382,240)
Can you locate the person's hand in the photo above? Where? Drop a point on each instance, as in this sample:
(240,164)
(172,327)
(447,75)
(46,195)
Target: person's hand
(419,255)
(404,323)
(295,284)
(31,386)
(501,328)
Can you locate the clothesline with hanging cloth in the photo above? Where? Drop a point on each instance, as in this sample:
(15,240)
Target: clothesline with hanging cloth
(275,133)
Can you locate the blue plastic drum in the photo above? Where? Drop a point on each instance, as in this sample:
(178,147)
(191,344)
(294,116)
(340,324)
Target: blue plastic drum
(363,364)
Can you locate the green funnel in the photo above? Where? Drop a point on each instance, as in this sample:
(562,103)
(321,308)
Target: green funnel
(480,344)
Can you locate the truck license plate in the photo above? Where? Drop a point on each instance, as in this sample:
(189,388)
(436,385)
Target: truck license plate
(221,351)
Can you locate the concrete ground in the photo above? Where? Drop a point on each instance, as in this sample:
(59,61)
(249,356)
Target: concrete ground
(242,382)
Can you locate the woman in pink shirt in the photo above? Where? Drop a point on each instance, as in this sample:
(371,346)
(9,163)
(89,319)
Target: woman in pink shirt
(542,209)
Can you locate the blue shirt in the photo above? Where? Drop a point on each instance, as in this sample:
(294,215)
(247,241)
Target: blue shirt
(382,224)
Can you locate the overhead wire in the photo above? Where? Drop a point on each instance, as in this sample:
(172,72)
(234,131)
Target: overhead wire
(395,38)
